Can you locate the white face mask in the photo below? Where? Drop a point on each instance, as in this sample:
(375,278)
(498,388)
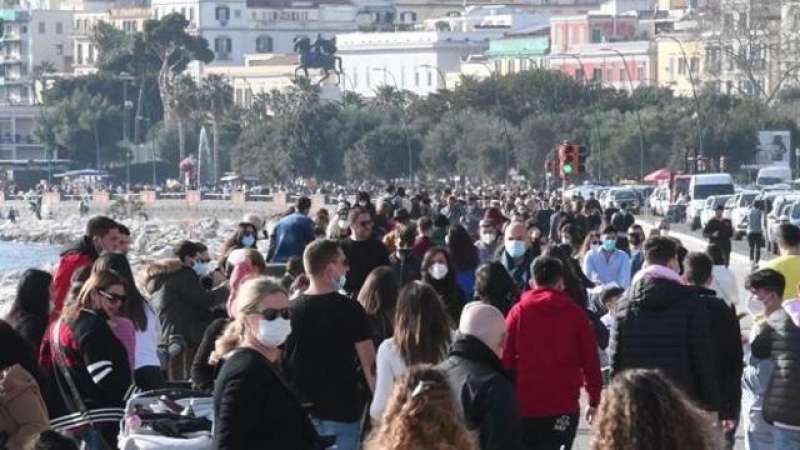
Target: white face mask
(754,306)
(438,271)
(200,268)
(343,224)
(488,238)
(273,333)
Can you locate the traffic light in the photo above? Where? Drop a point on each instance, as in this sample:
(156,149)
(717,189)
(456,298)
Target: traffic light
(583,153)
(566,160)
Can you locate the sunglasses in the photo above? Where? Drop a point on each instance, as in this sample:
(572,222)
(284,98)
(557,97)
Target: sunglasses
(115,298)
(271,314)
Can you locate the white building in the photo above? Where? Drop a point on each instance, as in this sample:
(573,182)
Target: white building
(488,17)
(31,38)
(235,28)
(417,61)
(616,7)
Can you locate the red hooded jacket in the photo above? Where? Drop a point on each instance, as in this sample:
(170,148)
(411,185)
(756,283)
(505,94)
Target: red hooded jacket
(81,255)
(552,350)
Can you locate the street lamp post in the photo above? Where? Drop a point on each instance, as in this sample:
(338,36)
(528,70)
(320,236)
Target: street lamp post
(439,71)
(127,106)
(694,90)
(636,110)
(506,148)
(405,125)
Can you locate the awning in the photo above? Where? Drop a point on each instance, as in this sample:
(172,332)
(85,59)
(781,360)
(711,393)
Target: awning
(658,175)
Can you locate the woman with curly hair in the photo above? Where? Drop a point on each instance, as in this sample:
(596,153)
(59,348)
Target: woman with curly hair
(641,409)
(421,415)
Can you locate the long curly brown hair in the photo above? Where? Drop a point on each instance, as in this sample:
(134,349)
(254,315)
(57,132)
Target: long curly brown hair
(642,409)
(421,415)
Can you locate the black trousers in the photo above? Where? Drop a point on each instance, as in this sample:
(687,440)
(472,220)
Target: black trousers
(550,433)
(755,241)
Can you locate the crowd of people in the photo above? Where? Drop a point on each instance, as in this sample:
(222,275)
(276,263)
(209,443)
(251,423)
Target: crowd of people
(447,320)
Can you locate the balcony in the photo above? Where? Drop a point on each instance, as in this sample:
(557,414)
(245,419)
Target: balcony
(10,37)
(9,59)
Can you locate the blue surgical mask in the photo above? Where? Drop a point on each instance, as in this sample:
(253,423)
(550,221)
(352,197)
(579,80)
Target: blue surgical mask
(609,245)
(200,268)
(248,240)
(339,282)
(516,249)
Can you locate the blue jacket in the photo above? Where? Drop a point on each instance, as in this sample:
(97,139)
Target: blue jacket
(290,237)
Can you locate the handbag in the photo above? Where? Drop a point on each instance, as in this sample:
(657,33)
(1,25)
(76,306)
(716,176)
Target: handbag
(74,397)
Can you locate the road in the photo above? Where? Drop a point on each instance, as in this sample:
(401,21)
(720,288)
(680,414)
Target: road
(693,241)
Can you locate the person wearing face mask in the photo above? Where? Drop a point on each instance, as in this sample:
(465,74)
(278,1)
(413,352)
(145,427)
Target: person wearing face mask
(102,235)
(770,395)
(253,406)
(464,256)
(82,344)
(607,264)
(243,238)
(182,303)
(339,228)
(438,271)
(662,324)
(542,328)
(331,338)
(489,241)
(517,255)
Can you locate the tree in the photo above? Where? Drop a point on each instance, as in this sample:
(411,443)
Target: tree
(186,103)
(168,41)
(381,153)
(216,98)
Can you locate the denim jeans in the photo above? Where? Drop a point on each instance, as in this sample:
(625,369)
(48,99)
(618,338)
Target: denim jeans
(786,439)
(348,435)
(758,434)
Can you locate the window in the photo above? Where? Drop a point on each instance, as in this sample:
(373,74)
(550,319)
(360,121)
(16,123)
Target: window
(222,47)
(694,65)
(416,78)
(366,77)
(622,75)
(681,66)
(237,13)
(41,28)
(264,44)
(79,54)
(430,78)
(59,28)
(90,56)
(59,50)
(579,74)
(191,13)
(640,73)
(597,36)
(355,78)
(222,13)
(597,74)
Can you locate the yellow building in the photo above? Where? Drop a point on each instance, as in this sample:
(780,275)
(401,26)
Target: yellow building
(681,62)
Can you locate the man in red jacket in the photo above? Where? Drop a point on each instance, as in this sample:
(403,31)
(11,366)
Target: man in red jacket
(102,234)
(552,351)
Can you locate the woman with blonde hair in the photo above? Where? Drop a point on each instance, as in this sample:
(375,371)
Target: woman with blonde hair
(642,409)
(421,415)
(82,344)
(247,263)
(253,407)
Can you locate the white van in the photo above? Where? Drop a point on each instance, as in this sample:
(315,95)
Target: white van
(703,186)
(768,176)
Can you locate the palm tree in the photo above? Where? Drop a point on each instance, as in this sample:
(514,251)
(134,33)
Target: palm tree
(94,109)
(216,98)
(185,105)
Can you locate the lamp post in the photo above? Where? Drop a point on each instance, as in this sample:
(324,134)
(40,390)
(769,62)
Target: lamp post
(694,89)
(405,125)
(127,106)
(636,110)
(439,71)
(493,74)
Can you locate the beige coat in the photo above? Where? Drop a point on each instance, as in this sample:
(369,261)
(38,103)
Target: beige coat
(23,414)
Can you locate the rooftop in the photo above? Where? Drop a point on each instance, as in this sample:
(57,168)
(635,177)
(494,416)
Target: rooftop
(278,4)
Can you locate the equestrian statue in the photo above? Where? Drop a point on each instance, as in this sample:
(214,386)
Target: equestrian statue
(320,55)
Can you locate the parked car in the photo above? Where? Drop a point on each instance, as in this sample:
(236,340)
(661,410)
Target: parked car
(710,206)
(659,201)
(740,205)
(619,196)
(779,212)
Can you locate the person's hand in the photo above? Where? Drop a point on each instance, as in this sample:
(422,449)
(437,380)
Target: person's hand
(728,425)
(590,413)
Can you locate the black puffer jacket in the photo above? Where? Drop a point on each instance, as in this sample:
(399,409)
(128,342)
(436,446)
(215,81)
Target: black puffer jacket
(780,341)
(661,324)
(183,304)
(485,393)
(726,337)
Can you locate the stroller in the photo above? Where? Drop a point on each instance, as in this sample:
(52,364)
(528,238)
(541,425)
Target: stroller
(168,419)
